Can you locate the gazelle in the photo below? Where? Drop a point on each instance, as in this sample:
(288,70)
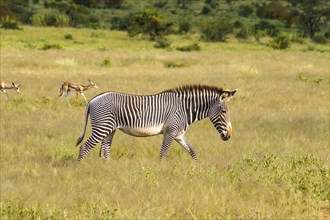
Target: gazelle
(67,87)
(4,86)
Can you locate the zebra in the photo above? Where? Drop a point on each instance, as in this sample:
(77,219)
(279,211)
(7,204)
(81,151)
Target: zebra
(169,113)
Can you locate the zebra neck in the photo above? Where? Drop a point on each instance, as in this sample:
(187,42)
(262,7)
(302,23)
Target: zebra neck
(197,110)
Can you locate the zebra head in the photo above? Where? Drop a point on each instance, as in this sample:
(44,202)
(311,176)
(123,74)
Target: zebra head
(220,114)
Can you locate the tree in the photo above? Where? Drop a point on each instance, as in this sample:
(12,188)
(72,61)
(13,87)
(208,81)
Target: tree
(17,9)
(148,22)
(183,3)
(113,3)
(216,29)
(312,14)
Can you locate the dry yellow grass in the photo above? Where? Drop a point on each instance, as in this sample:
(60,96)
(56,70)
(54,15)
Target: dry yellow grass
(276,166)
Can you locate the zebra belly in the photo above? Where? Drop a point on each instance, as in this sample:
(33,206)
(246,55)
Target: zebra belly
(143,132)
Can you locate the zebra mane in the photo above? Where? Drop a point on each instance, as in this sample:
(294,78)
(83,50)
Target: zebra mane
(188,89)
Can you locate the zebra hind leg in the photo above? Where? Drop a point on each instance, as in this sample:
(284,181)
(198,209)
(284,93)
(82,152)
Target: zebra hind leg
(106,145)
(88,146)
(182,140)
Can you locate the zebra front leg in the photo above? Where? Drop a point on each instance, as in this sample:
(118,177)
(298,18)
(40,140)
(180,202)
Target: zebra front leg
(106,145)
(168,139)
(182,140)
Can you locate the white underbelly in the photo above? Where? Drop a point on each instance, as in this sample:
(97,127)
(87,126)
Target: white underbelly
(144,132)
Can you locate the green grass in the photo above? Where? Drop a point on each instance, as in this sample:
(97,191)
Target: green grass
(276,166)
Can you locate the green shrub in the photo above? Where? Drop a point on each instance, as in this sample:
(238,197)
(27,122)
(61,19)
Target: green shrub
(51,19)
(242,34)
(238,24)
(271,29)
(280,42)
(160,3)
(297,39)
(312,79)
(106,62)
(320,39)
(191,47)
(149,23)
(206,9)
(216,29)
(38,20)
(68,37)
(174,64)
(245,10)
(51,46)
(9,23)
(162,42)
(275,10)
(184,25)
(211,3)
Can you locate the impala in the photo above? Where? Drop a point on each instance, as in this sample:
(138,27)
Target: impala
(67,87)
(4,86)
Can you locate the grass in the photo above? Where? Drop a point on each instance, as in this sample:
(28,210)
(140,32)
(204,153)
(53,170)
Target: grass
(276,166)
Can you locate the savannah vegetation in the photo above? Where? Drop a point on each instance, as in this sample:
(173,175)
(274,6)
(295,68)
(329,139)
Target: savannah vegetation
(276,165)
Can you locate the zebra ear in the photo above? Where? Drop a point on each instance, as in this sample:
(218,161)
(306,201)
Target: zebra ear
(226,95)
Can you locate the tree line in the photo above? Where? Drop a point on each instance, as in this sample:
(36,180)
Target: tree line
(309,18)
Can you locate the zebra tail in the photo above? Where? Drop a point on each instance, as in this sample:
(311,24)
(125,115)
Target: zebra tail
(82,134)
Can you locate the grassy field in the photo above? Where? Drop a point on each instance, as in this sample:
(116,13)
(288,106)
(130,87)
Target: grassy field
(276,166)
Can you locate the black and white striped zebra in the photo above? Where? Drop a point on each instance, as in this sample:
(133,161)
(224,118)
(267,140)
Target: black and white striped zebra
(169,113)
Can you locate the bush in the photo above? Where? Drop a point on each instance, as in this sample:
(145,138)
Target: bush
(160,3)
(238,24)
(148,22)
(106,62)
(216,30)
(245,10)
(191,47)
(320,39)
(211,3)
(280,42)
(264,25)
(174,64)
(38,20)
(114,3)
(184,25)
(51,46)
(206,10)
(68,37)
(162,42)
(51,19)
(242,34)
(297,39)
(119,23)
(275,10)
(8,23)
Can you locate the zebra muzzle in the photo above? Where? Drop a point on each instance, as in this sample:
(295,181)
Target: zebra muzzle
(225,136)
